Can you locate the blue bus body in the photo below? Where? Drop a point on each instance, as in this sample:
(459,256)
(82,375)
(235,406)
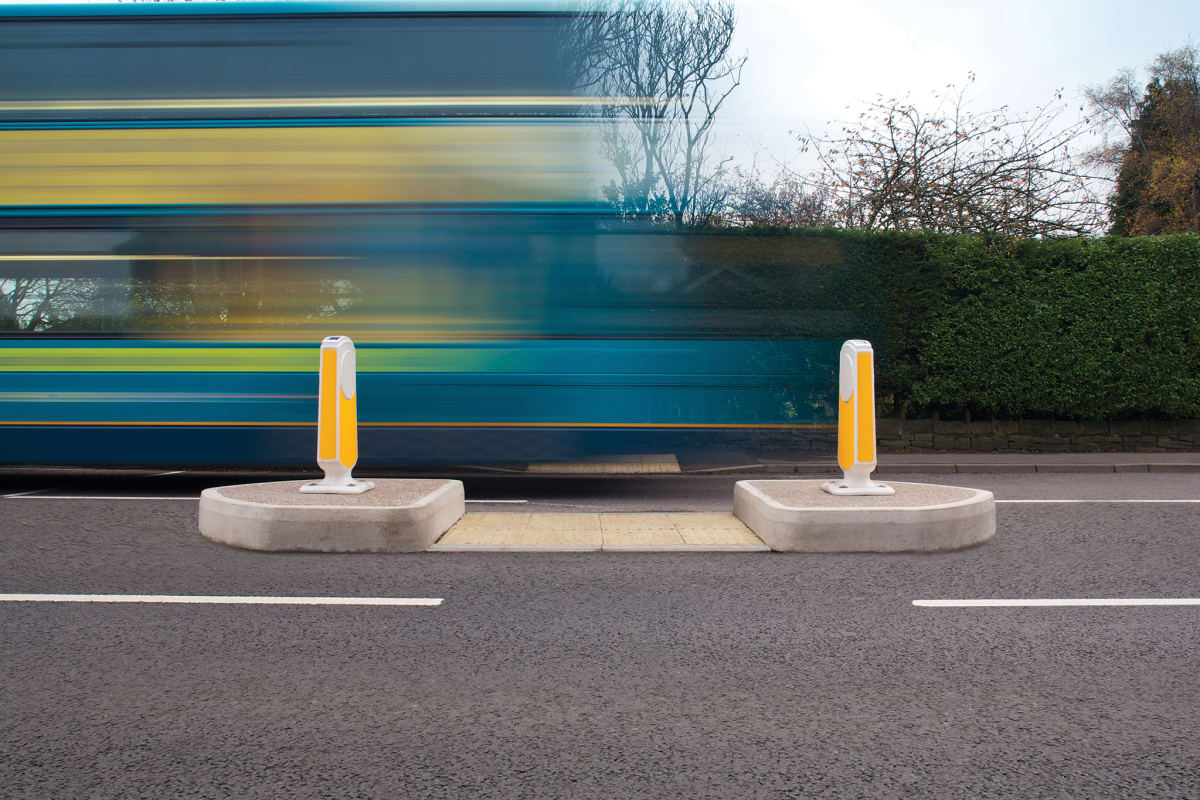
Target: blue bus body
(193,196)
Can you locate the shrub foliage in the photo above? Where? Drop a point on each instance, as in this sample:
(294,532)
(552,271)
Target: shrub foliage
(1075,328)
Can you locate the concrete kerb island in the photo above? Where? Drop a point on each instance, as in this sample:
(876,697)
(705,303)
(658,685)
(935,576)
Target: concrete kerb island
(397,516)
(337,514)
(342,515)
(798,516)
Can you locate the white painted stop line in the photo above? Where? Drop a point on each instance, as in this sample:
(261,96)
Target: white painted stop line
(220,599)
(1066,601)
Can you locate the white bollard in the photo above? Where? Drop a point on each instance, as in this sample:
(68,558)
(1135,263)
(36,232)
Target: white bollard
(337,420)
(856,421)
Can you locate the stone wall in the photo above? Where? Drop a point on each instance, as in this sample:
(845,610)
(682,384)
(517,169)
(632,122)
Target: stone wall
(1002,436)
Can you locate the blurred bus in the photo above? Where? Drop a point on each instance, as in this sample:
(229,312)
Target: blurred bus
(193,195)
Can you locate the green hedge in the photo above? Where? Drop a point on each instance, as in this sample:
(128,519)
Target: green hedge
(1082,328)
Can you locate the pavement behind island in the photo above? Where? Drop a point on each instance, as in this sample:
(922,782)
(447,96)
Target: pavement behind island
(801,462)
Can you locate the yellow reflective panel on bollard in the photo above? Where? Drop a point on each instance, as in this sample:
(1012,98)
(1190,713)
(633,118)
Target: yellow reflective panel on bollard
(856,421)
(337,420)
(864,430)
(326,405)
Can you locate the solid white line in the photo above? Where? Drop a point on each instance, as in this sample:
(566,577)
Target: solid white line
(1080,601)
(32,496)
(173,472)
(220,599)
(1098,501)
(26,496)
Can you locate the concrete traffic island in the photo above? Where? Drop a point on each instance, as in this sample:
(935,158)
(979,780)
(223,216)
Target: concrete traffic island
(799,516)
(397,516)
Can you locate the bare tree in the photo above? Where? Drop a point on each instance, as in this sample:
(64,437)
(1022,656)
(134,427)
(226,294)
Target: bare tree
(785,200)
(31,303)
(666,69)
(952,170)
(1116,105)
(1114,109)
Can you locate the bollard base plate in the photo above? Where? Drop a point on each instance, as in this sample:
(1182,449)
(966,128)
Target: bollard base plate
(842,489)
(353,487)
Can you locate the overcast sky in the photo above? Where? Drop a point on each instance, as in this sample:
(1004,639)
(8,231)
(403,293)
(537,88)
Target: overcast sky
(808,61)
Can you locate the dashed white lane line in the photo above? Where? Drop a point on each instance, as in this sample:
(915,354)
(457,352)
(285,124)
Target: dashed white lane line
(32,492)
(32,496)
(1098,501)
(220,599)
(1066,601)
(27,496)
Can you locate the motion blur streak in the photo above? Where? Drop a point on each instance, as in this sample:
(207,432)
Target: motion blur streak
(309,103)
(133,257)
(401,164)
(192,196)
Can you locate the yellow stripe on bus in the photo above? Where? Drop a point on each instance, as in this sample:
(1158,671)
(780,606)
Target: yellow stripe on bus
(261,423)
(232,359)
(369,164)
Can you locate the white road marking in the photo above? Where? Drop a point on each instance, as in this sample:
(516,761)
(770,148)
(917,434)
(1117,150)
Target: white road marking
(32,495)
(48,469)
(1098,501)
(1079,601)
(27,496)
(220,599)
(112,480)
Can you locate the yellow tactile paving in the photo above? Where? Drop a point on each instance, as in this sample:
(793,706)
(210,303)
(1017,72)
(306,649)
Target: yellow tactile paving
(565,537)
(636,522)
(474,539)
(634,464)
(705,521)
(589,522)
(715,537)
(492,520)
(617,531)
(642,537)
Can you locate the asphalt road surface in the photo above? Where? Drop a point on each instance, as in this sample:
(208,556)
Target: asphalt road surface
(601,675)
(662,492)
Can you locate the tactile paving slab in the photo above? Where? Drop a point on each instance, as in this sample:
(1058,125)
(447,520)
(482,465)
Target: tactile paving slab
(509,532)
